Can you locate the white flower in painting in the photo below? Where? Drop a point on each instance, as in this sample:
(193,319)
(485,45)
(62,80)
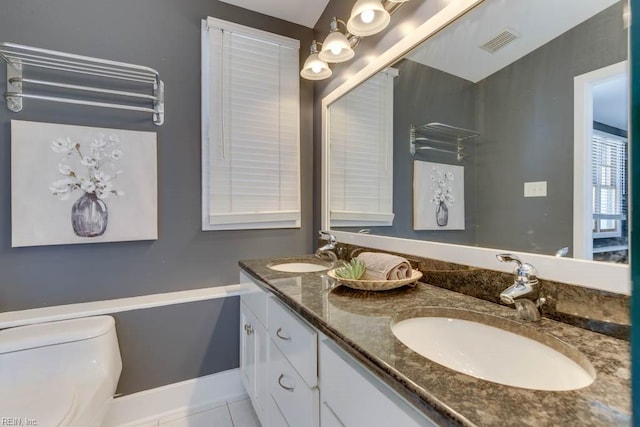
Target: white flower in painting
(116,154)
(102,152)
(87,185)
(63,187)
(88,161)
(65,169)
(62,145)
(440,186)
(98,143)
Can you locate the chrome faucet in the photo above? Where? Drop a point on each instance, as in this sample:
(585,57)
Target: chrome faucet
(525,291)
(328,250)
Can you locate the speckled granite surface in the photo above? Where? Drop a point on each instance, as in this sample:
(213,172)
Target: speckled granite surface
(592,309)
(360,323)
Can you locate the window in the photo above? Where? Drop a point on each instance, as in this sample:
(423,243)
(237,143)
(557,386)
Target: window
(361,136)
(250,128)
(608,159)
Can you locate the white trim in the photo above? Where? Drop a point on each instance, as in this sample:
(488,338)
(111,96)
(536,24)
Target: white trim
(606,276)
(12,319)
(356,219)
(243,30)
(205,108)
(176,400)
(583,136)
(292,217)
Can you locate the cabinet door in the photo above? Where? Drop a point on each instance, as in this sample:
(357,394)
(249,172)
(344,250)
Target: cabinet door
(247,350)
(253,360)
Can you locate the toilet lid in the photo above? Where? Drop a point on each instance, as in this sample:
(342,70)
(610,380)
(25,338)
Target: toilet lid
(42,406)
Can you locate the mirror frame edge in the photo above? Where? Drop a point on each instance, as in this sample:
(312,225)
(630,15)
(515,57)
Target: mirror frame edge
(591,274)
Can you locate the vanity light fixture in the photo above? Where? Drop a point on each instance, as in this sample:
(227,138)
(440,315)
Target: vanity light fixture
(315,68)
(368,17)
(337,47)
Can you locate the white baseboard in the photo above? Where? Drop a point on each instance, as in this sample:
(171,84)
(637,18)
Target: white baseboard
(175,399)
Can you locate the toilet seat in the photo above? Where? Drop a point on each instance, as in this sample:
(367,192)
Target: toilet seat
(48,406)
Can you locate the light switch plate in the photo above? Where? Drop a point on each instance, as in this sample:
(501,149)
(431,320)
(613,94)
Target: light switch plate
(535,189)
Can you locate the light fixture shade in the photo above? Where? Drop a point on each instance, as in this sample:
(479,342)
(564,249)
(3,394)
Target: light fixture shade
(397,1)
(336,48)
(368,17)
(315,68)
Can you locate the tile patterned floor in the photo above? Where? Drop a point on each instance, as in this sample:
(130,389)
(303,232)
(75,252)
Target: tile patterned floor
(237,413)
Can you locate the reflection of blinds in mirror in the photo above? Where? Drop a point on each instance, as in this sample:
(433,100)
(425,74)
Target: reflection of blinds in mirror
(608,163)
(361,154)
(253,137)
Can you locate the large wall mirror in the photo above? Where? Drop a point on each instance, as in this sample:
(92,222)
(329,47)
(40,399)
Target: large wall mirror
(506,128)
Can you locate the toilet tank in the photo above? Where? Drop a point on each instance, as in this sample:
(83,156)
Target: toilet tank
(78,351)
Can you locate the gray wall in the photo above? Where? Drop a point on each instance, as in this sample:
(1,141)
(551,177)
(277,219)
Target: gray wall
(165,35)
(530,137)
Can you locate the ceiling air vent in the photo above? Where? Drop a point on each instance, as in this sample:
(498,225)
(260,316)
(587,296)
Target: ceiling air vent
(501,40)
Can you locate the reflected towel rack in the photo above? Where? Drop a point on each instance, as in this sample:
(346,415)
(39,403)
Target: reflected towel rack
(424,138)
(20,57)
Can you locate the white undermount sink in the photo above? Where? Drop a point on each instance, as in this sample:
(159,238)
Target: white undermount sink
(299,267)
(494,354)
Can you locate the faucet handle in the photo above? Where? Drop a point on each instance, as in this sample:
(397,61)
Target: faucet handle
(523,270)
(328,236)
(509,258)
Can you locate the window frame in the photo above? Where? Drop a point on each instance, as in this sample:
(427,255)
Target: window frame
(242,220)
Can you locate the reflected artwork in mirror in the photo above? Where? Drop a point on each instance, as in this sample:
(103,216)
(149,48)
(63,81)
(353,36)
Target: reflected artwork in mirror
(528,99)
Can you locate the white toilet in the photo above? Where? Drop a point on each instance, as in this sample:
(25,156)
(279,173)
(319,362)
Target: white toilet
(59,374)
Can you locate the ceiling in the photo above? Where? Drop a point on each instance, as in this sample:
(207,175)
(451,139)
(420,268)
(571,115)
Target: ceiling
(457,49)
(302,12)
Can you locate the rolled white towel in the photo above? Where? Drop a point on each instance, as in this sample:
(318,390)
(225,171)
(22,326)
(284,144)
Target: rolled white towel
(384,266)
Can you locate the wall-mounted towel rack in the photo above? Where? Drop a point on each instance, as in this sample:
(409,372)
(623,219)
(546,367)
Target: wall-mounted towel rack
(439,136)
(111,74)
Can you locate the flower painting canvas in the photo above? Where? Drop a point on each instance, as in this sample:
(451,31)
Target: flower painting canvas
(438,196)
(76,184)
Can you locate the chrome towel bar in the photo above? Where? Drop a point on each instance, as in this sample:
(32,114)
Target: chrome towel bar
(20,58)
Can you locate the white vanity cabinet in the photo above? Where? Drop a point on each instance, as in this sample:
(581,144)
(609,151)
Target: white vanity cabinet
(278,361)
(280,358)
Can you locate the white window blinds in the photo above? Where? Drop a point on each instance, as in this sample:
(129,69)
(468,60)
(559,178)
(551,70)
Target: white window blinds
(608,162)
(361,154)
(251,128)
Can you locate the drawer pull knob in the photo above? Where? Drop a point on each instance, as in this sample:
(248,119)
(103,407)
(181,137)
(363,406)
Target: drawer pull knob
(282,337)
(282,385)
(248,329)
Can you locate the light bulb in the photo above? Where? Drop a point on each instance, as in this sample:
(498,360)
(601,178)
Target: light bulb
(335,49)
(316,68)
(367,16)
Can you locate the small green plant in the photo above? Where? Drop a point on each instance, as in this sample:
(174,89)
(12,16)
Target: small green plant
(351,270)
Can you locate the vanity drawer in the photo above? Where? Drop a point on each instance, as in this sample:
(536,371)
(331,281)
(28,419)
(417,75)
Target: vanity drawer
(297,341)
(297,402)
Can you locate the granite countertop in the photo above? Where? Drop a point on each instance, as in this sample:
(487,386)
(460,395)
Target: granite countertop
(360,323)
